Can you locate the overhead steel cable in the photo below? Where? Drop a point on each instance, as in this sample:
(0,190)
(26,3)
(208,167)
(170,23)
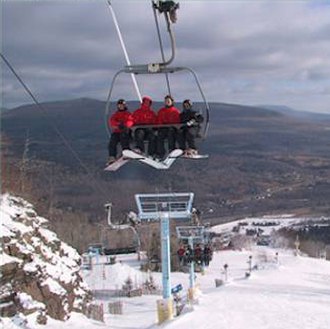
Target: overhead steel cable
(58,132)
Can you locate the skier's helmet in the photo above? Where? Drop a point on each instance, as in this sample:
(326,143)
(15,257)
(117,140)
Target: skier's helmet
(187,104)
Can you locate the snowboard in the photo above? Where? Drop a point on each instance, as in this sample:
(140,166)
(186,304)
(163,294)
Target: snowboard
(165,164)
(117,164)
(145,159)
(195,156)
(172,157)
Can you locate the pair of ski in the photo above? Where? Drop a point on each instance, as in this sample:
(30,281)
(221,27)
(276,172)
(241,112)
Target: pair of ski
(131,155)
(163,165)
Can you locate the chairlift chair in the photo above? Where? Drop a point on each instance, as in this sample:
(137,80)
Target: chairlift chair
(168,9)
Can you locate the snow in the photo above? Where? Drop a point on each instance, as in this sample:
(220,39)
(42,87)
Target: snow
(115,275)
(278,221)
(291,293)
(294,295)
(10,208)
(48,235)
(28,303)
(39,252)
(54,286)
(6,259)
(41,221)
(30,267)
(8,226)
(72,256)
(283,292)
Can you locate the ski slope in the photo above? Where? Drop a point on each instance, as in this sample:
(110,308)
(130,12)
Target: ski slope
(293,294)
(287,292)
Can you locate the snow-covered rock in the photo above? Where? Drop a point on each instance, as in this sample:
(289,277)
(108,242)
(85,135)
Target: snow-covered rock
(39,272)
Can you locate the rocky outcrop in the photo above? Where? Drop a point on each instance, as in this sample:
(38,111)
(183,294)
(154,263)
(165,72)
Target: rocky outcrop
(39,272)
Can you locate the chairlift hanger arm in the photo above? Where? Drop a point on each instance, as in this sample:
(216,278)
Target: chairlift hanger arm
(168,8)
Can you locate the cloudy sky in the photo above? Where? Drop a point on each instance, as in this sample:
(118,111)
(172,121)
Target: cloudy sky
(244,52)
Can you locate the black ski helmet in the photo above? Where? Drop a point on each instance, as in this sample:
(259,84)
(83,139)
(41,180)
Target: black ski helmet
(188,102)
(122,101)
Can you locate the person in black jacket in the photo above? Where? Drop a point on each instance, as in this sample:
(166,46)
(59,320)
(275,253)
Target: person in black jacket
(190,130)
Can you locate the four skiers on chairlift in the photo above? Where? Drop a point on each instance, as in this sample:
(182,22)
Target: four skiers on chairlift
(180,129)
(200,255)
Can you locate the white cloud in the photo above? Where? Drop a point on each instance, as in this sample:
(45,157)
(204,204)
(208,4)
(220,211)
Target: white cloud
(246,51)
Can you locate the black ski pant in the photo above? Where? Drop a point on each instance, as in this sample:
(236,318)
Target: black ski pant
(186,137)
(116,138)
(149,135)
(171,135)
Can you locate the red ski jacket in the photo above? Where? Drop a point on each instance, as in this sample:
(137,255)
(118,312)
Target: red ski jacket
(144,116)
(181,252)
(118,118)
(168,115)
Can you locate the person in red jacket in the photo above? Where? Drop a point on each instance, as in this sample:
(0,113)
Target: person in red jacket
(168,114)
(145,115)
(119,122)
(181,253)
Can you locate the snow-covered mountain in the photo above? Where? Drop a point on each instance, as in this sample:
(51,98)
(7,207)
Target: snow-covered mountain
(283,291)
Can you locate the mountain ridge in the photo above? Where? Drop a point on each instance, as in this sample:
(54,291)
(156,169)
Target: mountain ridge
(252,151)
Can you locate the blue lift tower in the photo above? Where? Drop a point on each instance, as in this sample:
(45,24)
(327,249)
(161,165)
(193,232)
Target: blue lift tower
(163,207)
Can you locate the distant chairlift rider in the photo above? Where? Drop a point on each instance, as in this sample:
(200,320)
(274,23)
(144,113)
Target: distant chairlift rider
(120,123)
(187,134)
(145,115)
(168,114)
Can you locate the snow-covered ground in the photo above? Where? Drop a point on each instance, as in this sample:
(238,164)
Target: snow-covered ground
(285,293)
(267,223)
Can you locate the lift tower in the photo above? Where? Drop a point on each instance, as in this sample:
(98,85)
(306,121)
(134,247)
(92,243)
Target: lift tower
(163,207)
